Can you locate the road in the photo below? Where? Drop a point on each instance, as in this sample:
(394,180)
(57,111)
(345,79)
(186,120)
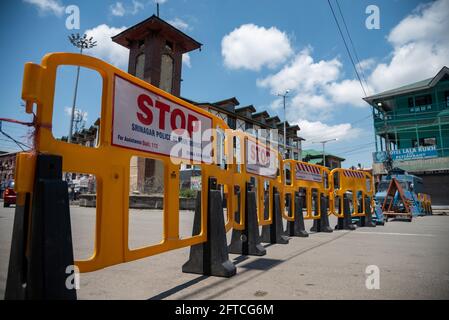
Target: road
(413,261)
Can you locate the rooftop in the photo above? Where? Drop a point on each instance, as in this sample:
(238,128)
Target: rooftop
(156,24)
(313,154)
(416,86)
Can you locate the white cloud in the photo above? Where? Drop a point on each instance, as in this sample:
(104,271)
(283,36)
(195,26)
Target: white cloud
(302,74)
(366,65)
(308,81)
(317,130)
(117,9)
(179,23)
(48,6)
(348,92)
(310,106)
(137,6)
(106,49)
(160,1)
(316,87)
(186,60)
(420,47)
(428,23)
(252,47)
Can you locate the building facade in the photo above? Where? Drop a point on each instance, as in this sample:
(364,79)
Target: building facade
(411,124)
(258,124)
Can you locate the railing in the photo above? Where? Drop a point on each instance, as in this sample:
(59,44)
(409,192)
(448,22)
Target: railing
(421,113)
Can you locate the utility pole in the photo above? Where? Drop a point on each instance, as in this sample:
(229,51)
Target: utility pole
(81,42)
(388,164)
(284,96)
(324,143)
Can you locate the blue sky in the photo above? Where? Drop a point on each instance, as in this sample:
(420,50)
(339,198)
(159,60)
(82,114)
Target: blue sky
(252,49)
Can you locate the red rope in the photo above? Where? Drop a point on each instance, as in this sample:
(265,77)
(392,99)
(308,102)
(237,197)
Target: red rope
(29,124)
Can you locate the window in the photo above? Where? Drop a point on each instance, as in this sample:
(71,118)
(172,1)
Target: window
(232,122)
(424,142)
(429,141)
(422,103)
(166,81)
(141,45)
(169,46)
(241,125)
(140,66)
(423,100)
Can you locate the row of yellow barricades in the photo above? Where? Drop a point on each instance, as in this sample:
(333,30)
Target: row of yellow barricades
(259,187)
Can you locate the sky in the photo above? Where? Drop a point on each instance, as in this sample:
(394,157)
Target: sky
(252,50)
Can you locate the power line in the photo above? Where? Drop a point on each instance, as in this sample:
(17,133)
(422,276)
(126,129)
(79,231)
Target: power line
(361,119)
(18,143)
(357,151)
(345,148)
(352,149)
(347,48)
(352,43)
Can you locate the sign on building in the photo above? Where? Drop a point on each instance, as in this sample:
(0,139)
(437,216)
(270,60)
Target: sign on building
(407,154)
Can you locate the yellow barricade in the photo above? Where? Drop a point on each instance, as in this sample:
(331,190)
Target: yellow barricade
(110,161)
(355,181)
(257,163)
(310,178)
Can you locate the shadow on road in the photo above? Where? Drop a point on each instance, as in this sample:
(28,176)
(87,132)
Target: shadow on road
(183,286)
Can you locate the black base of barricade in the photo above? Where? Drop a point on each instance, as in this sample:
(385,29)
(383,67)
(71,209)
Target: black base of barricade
(296,228)
(274,233)
(367,221)
(46,270)
(211,257)
(322,224)
(247,241)
(345,223)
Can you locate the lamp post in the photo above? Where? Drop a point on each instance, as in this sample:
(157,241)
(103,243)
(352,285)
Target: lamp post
(324,143)
(284,96)
(81,42)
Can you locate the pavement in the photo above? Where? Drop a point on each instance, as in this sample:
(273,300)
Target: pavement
(412,259)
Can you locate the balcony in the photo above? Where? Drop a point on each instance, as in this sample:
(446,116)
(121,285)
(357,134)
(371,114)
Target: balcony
(429,113)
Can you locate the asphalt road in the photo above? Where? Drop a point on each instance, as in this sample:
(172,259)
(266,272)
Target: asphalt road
(413,260)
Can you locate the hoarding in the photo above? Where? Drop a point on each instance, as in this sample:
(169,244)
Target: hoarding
(407,154)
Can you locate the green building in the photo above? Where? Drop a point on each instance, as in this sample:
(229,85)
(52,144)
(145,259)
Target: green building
(316,157)
(412,123)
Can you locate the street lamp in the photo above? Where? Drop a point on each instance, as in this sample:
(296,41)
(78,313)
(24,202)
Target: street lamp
(323,143)
(284,96)
(81,42)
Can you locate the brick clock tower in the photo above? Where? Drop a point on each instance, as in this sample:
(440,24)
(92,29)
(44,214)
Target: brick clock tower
(155,55)
(155,52)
